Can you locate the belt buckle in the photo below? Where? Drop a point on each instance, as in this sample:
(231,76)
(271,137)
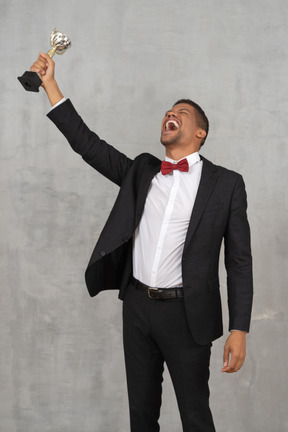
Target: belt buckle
(151,290)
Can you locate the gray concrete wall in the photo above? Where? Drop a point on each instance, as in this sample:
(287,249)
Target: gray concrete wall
(61,354)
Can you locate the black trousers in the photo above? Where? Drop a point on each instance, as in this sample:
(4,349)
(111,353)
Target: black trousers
(154,332)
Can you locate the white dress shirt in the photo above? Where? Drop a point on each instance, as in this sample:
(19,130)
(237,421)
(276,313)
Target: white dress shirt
(160,236)
(58,103)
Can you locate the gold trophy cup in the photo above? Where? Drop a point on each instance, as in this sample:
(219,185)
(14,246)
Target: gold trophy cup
(31,81)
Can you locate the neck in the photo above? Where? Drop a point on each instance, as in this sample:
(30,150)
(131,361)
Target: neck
(177,154)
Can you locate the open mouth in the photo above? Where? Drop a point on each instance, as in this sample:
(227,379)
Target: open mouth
(171,125)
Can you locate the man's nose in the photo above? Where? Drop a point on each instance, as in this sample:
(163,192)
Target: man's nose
(170,114)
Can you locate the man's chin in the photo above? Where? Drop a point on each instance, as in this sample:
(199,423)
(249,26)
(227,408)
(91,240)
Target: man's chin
(168,141)
(170,138)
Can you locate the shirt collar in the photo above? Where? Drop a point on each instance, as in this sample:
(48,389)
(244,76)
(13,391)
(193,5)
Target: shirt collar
(192,159)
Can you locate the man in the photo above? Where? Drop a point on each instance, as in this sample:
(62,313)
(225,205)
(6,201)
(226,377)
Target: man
(160,247)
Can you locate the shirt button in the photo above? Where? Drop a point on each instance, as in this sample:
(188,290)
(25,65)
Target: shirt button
(102,253)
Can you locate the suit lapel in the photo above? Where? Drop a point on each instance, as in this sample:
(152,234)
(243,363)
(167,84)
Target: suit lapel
(207,183)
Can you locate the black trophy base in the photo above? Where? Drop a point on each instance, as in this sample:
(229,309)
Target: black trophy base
(30,81)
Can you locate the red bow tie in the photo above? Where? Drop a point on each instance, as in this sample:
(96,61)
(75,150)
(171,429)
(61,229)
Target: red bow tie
(167,167)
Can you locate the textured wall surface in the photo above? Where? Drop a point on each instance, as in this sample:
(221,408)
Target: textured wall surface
(61,356)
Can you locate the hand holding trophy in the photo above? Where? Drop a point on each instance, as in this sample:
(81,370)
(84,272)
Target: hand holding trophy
(31,81)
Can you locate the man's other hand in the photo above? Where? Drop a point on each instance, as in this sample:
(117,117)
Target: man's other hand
(234,351)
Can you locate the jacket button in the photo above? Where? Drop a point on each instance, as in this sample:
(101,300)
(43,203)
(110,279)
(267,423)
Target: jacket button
(102,253)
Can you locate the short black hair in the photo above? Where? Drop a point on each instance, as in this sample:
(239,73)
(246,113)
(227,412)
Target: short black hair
(201,118)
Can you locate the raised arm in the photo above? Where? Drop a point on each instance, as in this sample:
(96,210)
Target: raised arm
(96,152)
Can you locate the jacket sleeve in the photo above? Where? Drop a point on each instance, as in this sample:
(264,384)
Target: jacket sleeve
(95,151)
(238,261)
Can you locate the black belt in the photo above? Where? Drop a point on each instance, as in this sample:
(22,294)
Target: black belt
(160,293)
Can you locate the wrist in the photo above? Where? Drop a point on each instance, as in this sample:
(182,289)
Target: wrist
(53,92)
(49,84)
(238,333)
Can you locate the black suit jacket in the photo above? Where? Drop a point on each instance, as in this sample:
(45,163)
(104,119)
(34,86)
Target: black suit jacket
(219,213)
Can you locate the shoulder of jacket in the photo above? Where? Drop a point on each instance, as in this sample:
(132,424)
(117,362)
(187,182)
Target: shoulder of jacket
(147,158)
(221,170)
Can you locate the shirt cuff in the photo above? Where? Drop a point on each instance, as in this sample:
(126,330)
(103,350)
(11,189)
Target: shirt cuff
(58,103)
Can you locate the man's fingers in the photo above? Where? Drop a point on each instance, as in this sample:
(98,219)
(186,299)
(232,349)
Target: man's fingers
(44,56)
(44,66)
(42,60)
(46,59)
(236,362)
(39,66)
(232,367)
(226,356)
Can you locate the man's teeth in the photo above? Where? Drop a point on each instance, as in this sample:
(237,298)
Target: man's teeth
(171,125)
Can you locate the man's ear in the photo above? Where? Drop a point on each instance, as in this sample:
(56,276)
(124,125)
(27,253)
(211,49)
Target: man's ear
(201,133)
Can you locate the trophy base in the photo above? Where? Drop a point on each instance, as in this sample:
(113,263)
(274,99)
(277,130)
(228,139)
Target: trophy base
(30,81)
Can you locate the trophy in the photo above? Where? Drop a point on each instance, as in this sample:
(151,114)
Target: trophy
(31,81)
